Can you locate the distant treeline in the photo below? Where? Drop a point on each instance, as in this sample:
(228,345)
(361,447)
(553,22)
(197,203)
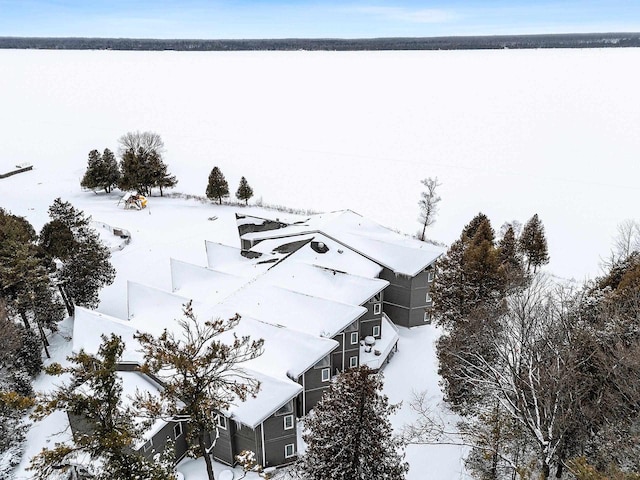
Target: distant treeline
(587,40)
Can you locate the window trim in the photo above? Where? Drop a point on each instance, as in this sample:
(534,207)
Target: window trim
(427,316)
(325,374)
(376,327)
(284,422)
(148,445)
(351,362)
(377,309)
(176,427)
(428,299)
(221,422)
(354,338)
(293,450)
(431,275)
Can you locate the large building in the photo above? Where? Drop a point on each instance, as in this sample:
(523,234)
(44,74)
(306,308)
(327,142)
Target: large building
(324,295)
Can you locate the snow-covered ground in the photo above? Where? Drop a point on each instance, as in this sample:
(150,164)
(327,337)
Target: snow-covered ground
(510,133)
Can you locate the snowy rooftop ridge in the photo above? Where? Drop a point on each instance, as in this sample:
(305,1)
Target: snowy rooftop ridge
(201,283)
(325,283)
(304,313)
(399,253)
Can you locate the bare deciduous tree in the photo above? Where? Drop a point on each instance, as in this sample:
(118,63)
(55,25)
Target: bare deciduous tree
(627,239)
(428,204)
(147,141)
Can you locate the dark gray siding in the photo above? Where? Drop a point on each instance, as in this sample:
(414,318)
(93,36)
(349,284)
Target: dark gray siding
(314,387)
(371,319)
(223,449)
(159,441)
(405,299)
(276,438)
(246,438)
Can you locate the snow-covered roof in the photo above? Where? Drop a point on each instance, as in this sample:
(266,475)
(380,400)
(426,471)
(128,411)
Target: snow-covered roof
(399,253)
(89,326)
(287,353)
(132,383)
(273,394)
(304,313)
(325,283)
(232,260)
(335,256)
(204,284)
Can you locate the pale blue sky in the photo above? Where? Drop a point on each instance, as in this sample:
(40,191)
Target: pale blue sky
(312,19)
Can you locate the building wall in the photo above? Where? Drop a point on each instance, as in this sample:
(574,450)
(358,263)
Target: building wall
(314,388)
(276,438)
(371,318)
(223,449)
(246,438)
(405,299)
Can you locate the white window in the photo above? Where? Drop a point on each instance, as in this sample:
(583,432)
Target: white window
(289,450)
(428,298)
(326,374)
(376,330)
(354,338)
(377,309)
(177,430)
(147,446)
(430,276)
(324,363)
(221,422)
(353,362)
(285,409)
(288,422)
(427,316)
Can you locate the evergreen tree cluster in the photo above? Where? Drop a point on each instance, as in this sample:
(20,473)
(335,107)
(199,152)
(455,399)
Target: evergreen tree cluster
(546,377)
(39,274)
(218,188)
(140,169)
(102,171)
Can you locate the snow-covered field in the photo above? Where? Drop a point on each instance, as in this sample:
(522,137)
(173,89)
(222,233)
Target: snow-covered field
(510,133)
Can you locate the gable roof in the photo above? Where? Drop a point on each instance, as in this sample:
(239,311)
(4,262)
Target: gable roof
(303,313)
(399,253)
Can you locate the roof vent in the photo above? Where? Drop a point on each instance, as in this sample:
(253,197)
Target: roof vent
(319,247)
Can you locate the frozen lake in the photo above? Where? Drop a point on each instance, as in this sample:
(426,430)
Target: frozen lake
(510,133)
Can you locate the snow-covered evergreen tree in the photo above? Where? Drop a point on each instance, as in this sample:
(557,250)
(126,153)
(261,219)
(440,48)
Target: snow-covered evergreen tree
(85,259)
(533,243)
(244,192)
(349,435)
(217,188)
(102,171)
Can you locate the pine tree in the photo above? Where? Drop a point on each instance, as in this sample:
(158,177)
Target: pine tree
(91,175)
(201,375)
(110,173)
(533,243)
(109,430)
(137,174)
(244,192)
(161,177)
(85,259)
(217,188)
(26,283)
(102,171)
(349,435)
